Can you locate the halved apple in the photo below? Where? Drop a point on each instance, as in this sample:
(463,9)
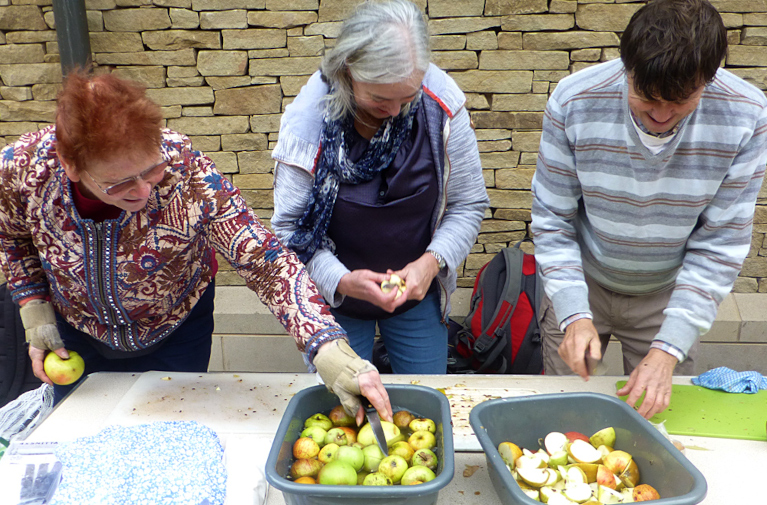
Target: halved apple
(529,461)
(608,496)
(589,469)
(617,461)
(605,436)
(555,442)
(630,476)
(605,477)
(509,453)
(584,452)
(533,477)
(578,493)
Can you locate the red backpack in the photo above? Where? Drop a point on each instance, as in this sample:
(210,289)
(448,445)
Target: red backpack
(500,333)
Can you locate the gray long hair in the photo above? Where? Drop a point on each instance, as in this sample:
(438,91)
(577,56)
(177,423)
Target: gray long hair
(381,43)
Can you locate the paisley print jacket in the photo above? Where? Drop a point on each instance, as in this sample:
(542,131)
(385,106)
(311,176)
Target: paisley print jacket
(129,282)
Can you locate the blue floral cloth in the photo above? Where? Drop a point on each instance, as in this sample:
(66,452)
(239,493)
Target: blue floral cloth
(731,381)
(161,463)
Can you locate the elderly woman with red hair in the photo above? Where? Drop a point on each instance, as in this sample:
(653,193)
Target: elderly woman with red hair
(109,225)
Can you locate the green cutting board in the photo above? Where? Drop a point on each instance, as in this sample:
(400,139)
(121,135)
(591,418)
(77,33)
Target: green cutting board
(697,411)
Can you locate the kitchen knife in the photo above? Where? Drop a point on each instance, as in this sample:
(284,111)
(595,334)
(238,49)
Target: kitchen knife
(375,422)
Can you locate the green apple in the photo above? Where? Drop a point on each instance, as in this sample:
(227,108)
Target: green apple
(403,449)
(337,473)
(351,455)
(402,419)
(558,459)
(63,371)
(425,457)
(393,467)
(305,468)
(361,477)
(423,424)
(422,440)
(417,475)
(339,417)
(315,433)
(305,448)
(373,456)
(336,436)
(377,479)
(366,436)
(328,453)
(605,436)
(319,419)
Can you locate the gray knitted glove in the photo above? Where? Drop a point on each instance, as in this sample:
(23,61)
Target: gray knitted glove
(339,366)
(39,321)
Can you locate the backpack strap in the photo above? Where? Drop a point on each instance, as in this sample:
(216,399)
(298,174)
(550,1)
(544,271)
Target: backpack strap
(512,287)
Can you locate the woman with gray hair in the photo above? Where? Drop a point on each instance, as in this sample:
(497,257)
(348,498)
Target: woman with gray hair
(378,173)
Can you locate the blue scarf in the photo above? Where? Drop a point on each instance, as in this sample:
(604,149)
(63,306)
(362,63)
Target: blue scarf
(334,168)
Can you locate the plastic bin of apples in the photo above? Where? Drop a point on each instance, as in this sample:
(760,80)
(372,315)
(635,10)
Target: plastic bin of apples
(530,459)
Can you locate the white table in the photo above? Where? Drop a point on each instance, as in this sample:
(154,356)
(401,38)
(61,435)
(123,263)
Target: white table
(734,469)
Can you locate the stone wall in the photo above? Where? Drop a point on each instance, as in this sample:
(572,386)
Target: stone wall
(224,70)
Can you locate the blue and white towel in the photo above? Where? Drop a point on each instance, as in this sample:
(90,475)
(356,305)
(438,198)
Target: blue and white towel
(731,381)
(162,463)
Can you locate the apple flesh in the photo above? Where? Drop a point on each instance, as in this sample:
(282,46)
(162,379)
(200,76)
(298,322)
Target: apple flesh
(64,371)
(510,452)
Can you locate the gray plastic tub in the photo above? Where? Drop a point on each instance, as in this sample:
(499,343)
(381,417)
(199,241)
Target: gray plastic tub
(523,420)
(423,401)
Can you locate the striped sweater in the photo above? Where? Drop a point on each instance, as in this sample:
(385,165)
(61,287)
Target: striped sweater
(639,223)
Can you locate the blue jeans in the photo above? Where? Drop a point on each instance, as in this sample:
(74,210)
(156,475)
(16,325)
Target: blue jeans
(187,349)
(416,340)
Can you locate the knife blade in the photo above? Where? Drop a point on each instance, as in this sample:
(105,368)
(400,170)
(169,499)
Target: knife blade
(375,422)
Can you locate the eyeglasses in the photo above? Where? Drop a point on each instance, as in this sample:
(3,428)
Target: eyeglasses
(130,182)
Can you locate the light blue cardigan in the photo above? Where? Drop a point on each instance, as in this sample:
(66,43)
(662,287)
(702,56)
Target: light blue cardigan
(462,198)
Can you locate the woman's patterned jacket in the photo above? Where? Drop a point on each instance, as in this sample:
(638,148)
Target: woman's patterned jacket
(129,282)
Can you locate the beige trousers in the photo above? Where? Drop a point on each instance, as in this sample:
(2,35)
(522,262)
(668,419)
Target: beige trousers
(632,320)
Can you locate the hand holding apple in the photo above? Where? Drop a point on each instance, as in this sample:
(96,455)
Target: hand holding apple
(64,371)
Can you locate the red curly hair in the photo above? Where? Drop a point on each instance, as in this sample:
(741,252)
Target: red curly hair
(100,118)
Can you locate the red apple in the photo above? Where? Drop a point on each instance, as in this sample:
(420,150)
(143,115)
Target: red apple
(575,435)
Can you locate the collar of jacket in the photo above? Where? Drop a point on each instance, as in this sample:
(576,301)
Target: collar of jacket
(298,143)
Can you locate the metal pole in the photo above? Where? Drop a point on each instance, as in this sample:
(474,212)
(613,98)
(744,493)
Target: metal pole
(72,34)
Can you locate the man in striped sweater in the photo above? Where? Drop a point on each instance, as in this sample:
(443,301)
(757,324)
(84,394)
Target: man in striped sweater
(643,198)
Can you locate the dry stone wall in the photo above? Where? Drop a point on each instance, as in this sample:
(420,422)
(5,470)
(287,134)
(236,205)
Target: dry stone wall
(224,70)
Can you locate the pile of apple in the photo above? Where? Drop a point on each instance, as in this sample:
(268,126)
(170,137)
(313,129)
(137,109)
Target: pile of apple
(571,468)
(331,451)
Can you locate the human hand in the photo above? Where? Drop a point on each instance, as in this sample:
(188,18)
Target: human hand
(653,377)
(347,375)
(38,357)
(418,276)
(42,334)
(366,285)
(581,337)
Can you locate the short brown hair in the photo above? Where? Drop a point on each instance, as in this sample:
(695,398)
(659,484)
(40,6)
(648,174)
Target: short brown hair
(102,117)
(672,47)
